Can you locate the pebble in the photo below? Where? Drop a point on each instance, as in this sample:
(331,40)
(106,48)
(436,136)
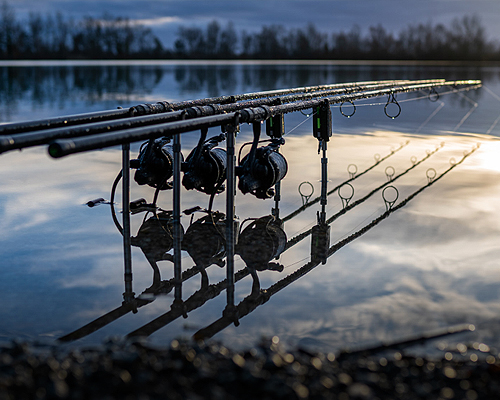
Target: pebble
(188,370)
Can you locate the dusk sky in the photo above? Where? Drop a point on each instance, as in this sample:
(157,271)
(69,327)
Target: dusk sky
(165,16)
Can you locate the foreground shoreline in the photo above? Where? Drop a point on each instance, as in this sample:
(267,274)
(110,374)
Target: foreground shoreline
(188,370)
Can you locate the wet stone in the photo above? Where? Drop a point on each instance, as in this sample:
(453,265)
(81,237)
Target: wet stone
(187,370)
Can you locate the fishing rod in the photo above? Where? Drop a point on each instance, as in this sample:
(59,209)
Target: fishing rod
(45,136)
(159,107)
(250,303)
(63,147)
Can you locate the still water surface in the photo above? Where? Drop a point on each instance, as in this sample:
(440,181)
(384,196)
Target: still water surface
(430,265)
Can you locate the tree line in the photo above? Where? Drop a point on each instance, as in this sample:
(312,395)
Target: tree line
(56,37)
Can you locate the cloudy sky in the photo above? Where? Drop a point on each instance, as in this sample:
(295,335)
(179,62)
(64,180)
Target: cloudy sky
(164,16)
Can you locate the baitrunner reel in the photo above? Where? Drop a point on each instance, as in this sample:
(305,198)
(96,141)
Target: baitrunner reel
(262,167)
(154,166)
(205,167)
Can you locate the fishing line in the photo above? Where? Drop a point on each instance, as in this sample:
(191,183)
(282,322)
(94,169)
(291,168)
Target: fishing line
(308,117)
(474,106)
(498,118)
(441,105)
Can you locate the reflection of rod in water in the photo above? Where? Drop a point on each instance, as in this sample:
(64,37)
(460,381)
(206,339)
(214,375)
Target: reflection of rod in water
(293,241)
(164,287)
(407,342)
(318,198)
(251,302)
(195,301)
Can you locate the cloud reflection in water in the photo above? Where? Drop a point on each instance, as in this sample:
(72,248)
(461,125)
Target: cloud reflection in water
(431,264)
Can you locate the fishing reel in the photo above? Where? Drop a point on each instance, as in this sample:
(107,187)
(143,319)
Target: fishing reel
(154,165)
(262,167)
(205,167)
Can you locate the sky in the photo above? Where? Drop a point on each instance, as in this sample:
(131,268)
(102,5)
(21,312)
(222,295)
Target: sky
(165,16)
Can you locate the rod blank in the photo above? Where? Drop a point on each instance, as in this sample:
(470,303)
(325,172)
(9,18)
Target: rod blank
(60,148)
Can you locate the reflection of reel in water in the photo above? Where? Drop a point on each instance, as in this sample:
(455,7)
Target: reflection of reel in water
(155,236)
(260,242)
(204,240)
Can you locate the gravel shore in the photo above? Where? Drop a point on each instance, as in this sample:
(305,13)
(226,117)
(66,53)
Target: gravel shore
(187,370)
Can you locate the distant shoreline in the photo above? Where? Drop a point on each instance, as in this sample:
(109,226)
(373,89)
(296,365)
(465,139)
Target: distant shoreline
(423,63)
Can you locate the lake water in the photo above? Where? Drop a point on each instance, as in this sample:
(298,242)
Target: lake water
(431,265)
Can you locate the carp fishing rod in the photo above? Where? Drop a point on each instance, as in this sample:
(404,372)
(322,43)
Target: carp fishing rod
(21,140)
(165,106)
(62,147)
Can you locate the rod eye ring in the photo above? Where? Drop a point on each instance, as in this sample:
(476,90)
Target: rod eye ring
(390,172)
(392,100)
(433,95)
(307,114)
(352,170)
(353,109)
(431,174)
(306,196)
(346,194)
(390,195)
